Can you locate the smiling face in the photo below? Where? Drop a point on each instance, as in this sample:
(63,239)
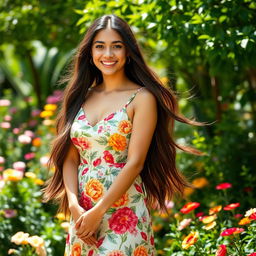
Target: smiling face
(108,52)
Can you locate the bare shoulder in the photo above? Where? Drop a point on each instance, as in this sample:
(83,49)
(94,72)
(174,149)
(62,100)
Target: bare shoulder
(145,98)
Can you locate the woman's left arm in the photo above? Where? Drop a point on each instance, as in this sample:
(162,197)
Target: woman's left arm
(144,123)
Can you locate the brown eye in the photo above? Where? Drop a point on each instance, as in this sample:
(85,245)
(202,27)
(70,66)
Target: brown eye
(118,46)
(98,46)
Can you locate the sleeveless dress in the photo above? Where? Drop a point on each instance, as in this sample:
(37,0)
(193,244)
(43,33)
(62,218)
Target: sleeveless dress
(126,228)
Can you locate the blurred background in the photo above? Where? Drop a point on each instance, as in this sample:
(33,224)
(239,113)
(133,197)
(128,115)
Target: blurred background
(204,50)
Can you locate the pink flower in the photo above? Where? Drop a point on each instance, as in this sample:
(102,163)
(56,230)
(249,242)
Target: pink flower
(10,213)
(100,241)
(81,117)
(231,231)
(29,133)
(238,216)
(4,103)
(2,160)
(100,129)
(184,223)
(85,201)
(35,112)
(29,156)
(119,165)
(67,239)
(222,250)
(223,186)
(7,118)
(24,139)
(123,220)
(85,171)
(144,236)
(109,117)
(16,130)
(20,166)
(5,125)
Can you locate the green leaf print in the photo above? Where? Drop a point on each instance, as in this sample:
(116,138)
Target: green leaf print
(76,134)
(93,155)
(139,225)
(85,135)
(121,159)
(108,148)
(102,249)
(107,184)
(136,198)
(110,211)
(128,250)
(112,238)
(102,141)
(112,122)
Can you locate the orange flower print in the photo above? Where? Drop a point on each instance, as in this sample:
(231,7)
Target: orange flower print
(140,251)
(116,253)
(125,126)
(82,142)
(94,189)
(122,201)
(117,142)
(76,249)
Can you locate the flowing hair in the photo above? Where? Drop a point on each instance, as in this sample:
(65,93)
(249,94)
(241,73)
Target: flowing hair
(160,175)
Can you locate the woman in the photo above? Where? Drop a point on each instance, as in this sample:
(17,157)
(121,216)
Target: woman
(114,155)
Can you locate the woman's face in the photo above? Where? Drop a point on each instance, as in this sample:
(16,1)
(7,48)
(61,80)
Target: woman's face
(108,52)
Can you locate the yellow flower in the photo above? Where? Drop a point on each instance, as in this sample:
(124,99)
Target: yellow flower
(50,107)
(60,216)
(20,238)
(45,114)
(35,241)
(12,175)
(200,182)
(39,182)
(210,225)
(244,221)
(190,239)
(48,122)
(215,209)
(208,219)
(117,142)
(164,80)
(65,225)
(30,175)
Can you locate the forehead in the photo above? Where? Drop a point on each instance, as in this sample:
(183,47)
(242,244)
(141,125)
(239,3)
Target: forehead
(107,35)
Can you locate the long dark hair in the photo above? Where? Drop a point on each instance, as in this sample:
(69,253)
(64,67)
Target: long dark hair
(160,175)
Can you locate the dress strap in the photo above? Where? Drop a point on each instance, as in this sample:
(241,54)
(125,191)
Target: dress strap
(133,96)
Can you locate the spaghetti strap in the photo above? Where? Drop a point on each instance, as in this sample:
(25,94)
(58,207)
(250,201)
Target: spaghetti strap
(132,97)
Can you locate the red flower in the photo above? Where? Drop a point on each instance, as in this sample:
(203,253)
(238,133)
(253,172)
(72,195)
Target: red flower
(231,231)
(253,216)
(238,216)
(223,186)
(144,236)
(199,214)
(231,206)
(252,254)
(85,201)
(222,250)
(138,188)
(189,207)
(96,162)
(152,240)
(108,157)
(123,220)
(99,242)
(90,253)
(119,165)
(85,171)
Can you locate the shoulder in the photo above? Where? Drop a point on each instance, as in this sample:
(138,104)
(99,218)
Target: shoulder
(145,97)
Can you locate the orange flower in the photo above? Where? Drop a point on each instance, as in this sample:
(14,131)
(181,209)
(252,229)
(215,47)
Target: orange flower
(208,219)
(117,142)
(244,221)
(188,191)
(36,142)
(200,182)
(122,201)
(215,209)
(210,225)
(125,126)
(12,175)
(190,239)
(76,250)
(94,189)
(157,227)
(140,251)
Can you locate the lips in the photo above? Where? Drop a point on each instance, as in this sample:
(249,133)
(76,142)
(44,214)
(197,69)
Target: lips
(108,63)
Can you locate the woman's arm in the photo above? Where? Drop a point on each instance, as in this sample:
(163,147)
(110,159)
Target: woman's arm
(70,169)
(144,123)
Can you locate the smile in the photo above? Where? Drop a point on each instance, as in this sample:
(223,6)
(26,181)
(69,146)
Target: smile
(108,63)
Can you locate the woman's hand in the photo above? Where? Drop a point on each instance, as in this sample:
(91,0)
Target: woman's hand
(76,212)
(88,223)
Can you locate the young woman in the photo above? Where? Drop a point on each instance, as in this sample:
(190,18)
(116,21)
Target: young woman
(114,155)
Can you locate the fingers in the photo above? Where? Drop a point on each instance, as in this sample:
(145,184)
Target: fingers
(90,240)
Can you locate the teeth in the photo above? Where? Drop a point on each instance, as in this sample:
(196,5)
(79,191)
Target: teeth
(108,63)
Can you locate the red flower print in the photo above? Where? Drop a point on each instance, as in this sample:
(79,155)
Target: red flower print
(84,161)
(67,239)
(144,236)
(222,250)
(119,165)
(231,231)
(108,157)
(152,240)
(189,207)
(109,117)
(96,162)
(223,186)
(100,129)
(85,201)
(123,220)
(90,253)
(82,142)
(231,206)
(138,188)
(116,253)
(81,117)
(85,171)
(99,242)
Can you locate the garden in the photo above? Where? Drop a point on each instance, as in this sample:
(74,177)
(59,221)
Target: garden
(203,50)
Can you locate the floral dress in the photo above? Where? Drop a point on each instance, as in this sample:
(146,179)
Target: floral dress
(126,228)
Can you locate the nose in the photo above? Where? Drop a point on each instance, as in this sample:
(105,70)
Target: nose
(108,52)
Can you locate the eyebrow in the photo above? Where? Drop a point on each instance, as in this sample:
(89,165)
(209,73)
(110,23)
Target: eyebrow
(113,42)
